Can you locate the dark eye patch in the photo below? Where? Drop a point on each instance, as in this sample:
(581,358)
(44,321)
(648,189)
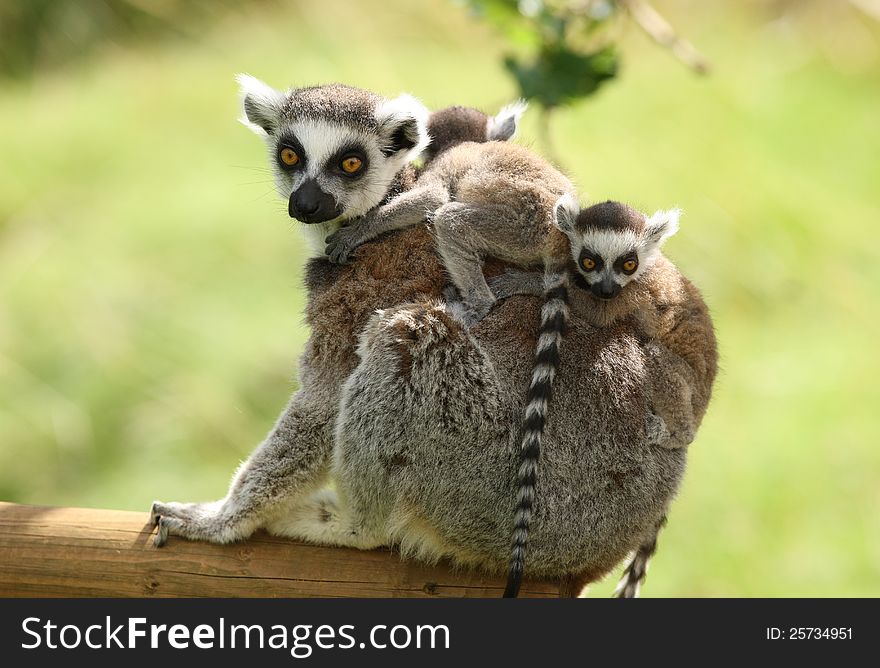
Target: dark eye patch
(589,255)
(334,164)
(623,259)
(289,141)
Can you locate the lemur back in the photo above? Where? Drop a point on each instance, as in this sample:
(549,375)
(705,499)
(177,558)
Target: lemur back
(495,199)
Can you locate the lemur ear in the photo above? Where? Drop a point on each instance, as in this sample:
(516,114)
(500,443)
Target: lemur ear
(504,124)
(262,104)
(403,126)
(661,226)
(566,212)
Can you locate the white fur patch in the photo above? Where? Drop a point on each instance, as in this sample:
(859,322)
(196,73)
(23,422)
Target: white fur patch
(660,226)
(505,123)
(268,100)
(608,244)
(536,407)
(316,234)
(565,212)
(391,113)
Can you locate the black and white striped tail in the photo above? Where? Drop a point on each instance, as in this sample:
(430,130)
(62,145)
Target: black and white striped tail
(634,575)
(554,318)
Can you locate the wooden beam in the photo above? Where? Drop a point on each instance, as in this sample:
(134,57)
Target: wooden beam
(77,552)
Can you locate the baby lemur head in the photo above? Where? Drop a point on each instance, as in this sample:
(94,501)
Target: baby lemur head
(612,244)
(335,150)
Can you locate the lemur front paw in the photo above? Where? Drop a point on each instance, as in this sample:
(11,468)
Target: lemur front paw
(194,521)
(342,243)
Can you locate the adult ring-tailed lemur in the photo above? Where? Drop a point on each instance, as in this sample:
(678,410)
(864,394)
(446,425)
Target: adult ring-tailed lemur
(414,418)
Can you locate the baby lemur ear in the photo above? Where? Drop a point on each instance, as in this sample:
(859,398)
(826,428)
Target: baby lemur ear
(566,212)
(662,225)
(403,126)
(262,104)
(504,124)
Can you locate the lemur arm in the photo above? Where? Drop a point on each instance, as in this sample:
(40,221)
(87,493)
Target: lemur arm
(280,471)
(515,282)
(405,210)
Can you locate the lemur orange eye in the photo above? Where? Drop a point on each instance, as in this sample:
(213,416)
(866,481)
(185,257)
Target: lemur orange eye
(352,165)
(289,156)
(588,264)
(630,266)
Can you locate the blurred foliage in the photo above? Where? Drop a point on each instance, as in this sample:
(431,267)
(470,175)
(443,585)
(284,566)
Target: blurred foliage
(46,33)
(559,75)
(569,53)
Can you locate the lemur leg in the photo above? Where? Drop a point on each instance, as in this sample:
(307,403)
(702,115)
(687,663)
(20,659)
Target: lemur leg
(465,233)
(324,518)
(294,456)
(513,282)
(405,210)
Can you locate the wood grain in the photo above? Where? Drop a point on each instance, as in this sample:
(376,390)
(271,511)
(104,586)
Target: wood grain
(78,552)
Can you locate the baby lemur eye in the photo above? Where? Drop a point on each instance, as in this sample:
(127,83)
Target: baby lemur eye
(351,165)
(288,156)
(588,264)
(630,266)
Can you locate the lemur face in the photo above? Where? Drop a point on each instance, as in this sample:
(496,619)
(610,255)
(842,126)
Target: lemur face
(612,244)
(330,171)
(335,150)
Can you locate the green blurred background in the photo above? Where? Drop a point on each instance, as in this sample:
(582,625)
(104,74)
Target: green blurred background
(150,280)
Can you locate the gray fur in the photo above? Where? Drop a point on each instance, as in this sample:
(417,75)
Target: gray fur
(599,480)
(427,460)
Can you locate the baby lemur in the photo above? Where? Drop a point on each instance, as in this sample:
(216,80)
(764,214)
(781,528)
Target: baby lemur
(613,246)
(492,198)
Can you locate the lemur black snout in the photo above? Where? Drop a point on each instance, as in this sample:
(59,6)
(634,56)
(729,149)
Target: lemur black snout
(605,289)
(310,204)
